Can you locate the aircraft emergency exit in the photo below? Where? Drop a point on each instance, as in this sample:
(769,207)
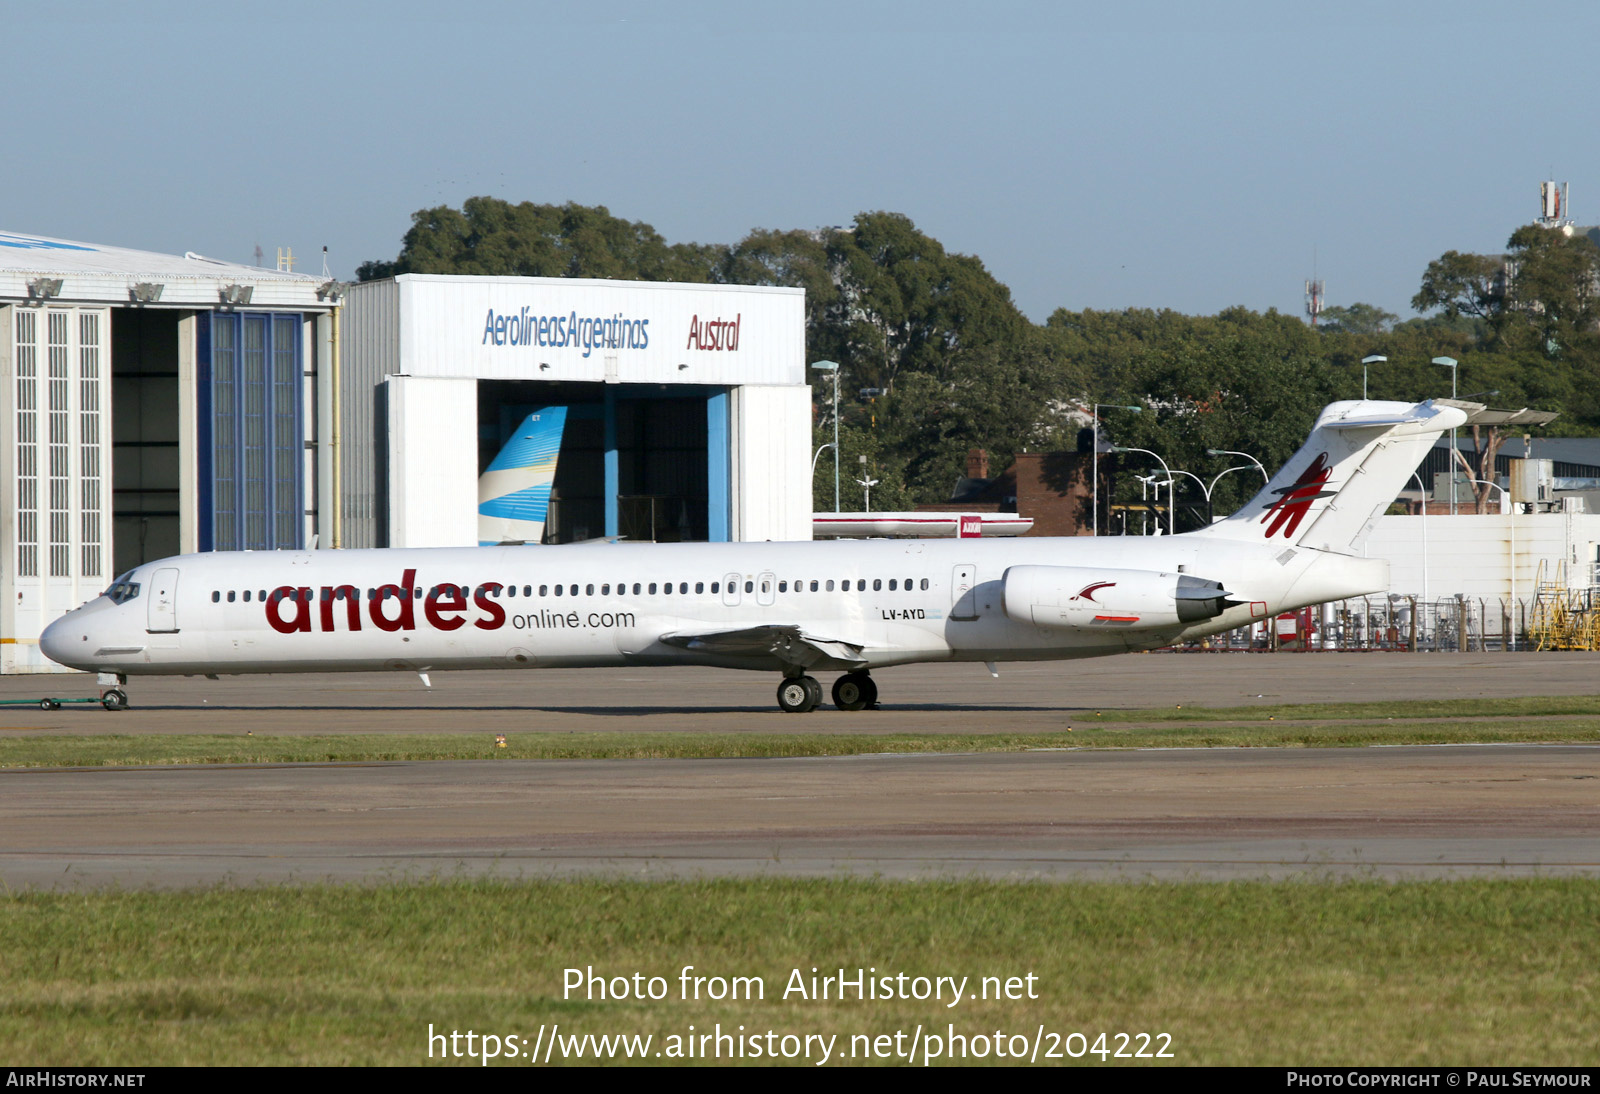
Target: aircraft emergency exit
(790,608)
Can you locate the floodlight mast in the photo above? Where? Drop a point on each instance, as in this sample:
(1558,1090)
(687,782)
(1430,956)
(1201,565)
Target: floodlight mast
(833,367)
(1094,475)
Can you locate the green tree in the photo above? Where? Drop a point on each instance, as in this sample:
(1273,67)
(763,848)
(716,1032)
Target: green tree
(1544,293)
(1358,318)
(1463,284)
(488,236)
(1554,291)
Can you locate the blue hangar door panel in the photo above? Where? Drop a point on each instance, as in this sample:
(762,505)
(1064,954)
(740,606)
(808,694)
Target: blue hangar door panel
(252,443)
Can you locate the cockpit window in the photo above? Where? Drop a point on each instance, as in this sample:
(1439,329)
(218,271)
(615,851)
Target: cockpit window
(123,590)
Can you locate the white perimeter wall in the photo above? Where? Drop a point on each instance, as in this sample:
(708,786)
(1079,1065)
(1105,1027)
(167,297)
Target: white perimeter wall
(433,462)
(1473,554)
(771,439)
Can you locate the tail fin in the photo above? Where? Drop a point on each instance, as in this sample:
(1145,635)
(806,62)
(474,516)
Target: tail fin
(1331,492)
(514,492)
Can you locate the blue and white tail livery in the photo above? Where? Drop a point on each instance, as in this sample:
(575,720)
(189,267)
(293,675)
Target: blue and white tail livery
(514,493)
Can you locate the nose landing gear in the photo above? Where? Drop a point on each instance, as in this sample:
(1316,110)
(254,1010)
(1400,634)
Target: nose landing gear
(112,697)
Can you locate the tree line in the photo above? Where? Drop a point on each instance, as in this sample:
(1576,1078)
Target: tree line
(936,358)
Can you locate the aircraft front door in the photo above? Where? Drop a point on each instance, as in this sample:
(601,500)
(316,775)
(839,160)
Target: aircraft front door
(164,601)
(963,601)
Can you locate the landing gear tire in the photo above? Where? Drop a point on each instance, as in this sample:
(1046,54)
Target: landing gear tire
(855,691)
(114,700)
(45,704)
(799,694)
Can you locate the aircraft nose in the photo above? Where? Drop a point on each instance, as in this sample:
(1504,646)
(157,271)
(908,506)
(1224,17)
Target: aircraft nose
(65,641)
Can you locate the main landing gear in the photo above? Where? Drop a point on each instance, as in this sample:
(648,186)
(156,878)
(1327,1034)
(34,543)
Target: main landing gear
(852,691)
(855,691)
(799,694)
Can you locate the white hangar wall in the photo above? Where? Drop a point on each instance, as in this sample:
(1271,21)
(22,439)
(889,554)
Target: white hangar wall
(1488,556)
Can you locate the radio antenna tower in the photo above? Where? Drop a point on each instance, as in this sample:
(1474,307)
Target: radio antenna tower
(1314,299)
(1314,292)
(1553,206)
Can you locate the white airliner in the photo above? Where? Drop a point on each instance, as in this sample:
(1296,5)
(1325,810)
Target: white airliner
(790,608)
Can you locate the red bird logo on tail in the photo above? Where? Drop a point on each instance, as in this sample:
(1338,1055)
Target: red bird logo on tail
(1295,501)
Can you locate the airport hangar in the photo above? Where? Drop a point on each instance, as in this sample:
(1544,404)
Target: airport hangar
(153,405)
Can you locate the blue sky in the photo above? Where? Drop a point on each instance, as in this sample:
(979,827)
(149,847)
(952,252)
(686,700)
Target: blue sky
(1163,155)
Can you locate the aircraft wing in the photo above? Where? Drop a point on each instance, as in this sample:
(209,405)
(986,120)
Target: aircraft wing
(787,642)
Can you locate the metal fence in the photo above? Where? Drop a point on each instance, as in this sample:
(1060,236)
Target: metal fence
(1403,623)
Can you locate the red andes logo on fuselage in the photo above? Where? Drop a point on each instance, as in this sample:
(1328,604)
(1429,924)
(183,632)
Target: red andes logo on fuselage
(390,607)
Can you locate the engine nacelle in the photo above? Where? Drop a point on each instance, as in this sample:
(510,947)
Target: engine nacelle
(1081,596)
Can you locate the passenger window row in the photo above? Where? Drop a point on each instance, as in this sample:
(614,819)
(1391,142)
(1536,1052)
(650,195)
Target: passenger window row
(667,588)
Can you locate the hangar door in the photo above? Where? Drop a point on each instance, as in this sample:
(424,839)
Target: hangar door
(636,461)
(252,443)
(57,412)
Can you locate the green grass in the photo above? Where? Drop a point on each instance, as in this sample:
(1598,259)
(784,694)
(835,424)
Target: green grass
(1238,973)
(1307,726)
(1409,710)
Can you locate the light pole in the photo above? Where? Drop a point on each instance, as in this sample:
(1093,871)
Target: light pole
(1094,502)
(1229,452)
(1172,493)
(833,367)
(1374,359)
(1512,637)
(1145,484)
(1451,364)
(1424,536)
(1204,489)
(867,483)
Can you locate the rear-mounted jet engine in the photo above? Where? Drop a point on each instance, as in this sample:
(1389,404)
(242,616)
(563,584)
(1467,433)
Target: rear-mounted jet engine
(1080,596)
